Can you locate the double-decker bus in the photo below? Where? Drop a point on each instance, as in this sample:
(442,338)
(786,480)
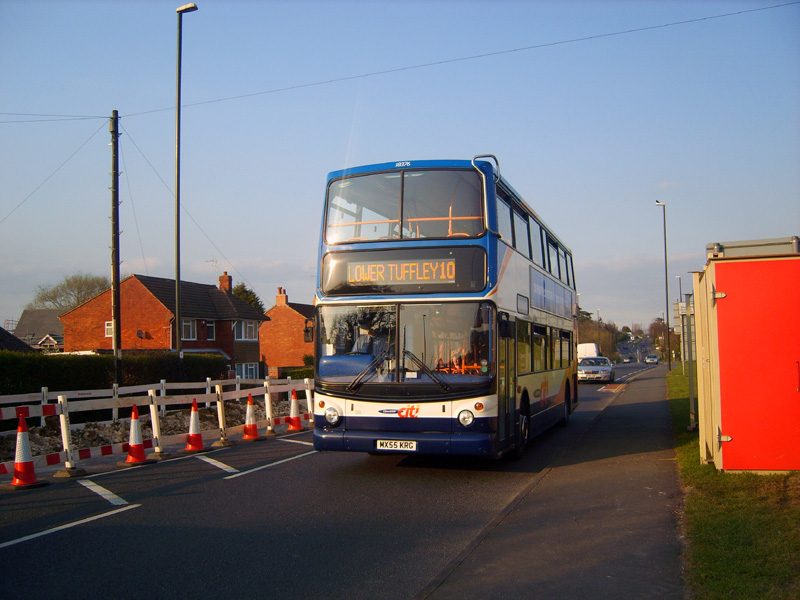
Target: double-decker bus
(444,313)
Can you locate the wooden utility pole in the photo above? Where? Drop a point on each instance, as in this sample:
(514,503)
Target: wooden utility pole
(115,295)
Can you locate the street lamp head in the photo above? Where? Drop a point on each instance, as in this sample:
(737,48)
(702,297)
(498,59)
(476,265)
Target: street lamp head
(660,203)
(186,8)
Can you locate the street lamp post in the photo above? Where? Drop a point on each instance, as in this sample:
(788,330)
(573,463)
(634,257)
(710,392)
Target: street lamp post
(666,281)
(186,8)
(683,325)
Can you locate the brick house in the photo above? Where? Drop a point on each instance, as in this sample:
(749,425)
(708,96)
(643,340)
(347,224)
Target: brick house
(282,336)
(213,321)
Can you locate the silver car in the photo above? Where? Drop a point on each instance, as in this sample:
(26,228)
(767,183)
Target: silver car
(596,368)
(651,359)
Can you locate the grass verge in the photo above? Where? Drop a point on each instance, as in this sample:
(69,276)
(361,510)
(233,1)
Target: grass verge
(742,529)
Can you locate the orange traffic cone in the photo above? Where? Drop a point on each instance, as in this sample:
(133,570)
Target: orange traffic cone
(294,415)
(194,441)
(136,454)
(250,427)
(24,473)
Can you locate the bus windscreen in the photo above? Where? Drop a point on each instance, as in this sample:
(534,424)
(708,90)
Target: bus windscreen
(405,205)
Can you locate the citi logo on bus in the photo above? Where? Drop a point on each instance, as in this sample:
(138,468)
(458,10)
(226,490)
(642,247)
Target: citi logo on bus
(407,412)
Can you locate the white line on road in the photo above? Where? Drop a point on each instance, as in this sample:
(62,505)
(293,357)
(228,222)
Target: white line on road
(216,463)
(297,442)
(271,464)
(102,492)
(67,526)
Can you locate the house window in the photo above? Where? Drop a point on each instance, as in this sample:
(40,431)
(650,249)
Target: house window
(189,330)
(109,328)
(245,330)
(247,370)
(211,330)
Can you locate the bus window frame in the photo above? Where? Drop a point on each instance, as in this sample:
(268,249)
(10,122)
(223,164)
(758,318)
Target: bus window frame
(505,223)
(540,332)
(523,328)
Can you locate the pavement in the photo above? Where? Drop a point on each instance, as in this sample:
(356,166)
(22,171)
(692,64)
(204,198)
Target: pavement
(602,522)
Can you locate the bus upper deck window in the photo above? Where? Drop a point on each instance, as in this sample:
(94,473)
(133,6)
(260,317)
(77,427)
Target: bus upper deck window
(442,204)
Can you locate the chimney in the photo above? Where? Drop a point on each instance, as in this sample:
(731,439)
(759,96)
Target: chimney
(226,282)
(281,299)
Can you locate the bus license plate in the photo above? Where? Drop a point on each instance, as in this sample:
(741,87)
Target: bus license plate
(401,445)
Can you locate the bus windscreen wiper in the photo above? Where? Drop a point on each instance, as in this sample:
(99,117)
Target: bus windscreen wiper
(378,359)
(427,370)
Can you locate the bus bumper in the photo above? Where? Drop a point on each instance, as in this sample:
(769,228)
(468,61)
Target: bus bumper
(462,444)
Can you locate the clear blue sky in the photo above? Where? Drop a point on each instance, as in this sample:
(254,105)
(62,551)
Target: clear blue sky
(594,109)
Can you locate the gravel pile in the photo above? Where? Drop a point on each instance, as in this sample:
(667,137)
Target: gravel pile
(46,440)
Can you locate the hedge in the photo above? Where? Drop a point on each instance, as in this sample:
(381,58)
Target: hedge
(23,373)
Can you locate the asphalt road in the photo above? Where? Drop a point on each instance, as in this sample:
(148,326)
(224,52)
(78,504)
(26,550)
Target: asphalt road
(588,512)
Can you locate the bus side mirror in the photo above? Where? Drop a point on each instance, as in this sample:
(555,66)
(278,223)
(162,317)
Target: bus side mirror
(308,332)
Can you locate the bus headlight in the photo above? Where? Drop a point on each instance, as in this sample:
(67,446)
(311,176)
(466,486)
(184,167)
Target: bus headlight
(332,415)
(465,417)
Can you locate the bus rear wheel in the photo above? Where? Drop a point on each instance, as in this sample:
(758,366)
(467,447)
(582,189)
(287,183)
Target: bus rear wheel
(567,408)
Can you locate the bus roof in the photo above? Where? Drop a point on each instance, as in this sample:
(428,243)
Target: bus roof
(408,164)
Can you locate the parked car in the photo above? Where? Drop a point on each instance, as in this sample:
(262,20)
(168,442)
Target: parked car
(651,359)
(596,368)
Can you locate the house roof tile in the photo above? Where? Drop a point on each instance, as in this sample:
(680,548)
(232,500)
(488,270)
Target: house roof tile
(200,301)
(13,343)
(35,324)
(307,310)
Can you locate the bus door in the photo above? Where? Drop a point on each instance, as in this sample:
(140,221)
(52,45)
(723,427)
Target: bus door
(506,380)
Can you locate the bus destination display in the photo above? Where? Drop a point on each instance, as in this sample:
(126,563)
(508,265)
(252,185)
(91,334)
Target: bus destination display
(405,271)
(401,272)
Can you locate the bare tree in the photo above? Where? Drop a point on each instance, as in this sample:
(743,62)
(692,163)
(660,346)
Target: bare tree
(72,291)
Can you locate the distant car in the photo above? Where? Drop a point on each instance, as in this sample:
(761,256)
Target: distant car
(596,368)
(627,359)
(651,359)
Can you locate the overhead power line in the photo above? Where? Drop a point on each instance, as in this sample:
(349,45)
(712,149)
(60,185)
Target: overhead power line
(477,56)
(44,117)
(183,208)
(24,200)
(49,118)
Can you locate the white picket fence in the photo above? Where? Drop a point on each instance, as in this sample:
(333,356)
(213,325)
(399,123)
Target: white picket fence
(156,397)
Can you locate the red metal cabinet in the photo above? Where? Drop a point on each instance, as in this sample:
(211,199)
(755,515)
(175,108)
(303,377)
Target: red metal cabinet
(747,311)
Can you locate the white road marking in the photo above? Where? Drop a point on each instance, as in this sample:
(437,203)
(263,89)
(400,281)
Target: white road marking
(297,442)
(214,462)
(103,492)
(67,526)
(271,465)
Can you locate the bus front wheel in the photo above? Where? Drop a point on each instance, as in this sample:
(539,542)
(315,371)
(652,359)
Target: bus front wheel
(523,432)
